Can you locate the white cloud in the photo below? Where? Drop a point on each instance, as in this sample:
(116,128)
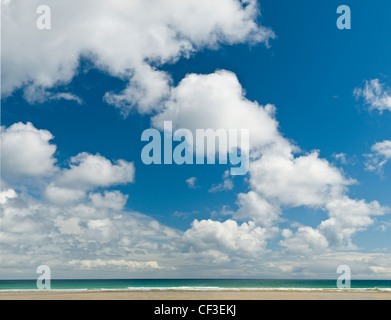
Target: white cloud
(66,96)
(253,207)
(216,101)
(375,94)
(226,185)
(89,171)
(35,94)
(7,194)
(63,196)
(341,157)
(111,199)
(225,239)
(382,271)
(100,264)
(68,226)
(378,96)
(364,265)
(381,154)
(97,234)
(305,241)
(124,38)
(27,151)
(383,148)
(191,182)
(348,216)
(306,180)
(63,223)
(147,89)
(86,173)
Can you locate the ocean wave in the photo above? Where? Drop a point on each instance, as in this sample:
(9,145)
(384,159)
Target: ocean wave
(199,288)
(196,288)
(40,290)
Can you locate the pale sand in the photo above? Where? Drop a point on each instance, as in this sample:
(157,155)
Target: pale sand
(195,295)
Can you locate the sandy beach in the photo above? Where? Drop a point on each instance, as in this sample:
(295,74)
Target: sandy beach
(194,295)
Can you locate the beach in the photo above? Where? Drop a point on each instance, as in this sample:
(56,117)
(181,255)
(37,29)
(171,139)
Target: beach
(194,295)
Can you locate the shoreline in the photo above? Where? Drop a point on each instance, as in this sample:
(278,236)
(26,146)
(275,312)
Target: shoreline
(70,294)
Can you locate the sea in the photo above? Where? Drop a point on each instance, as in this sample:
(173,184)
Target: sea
(194,285)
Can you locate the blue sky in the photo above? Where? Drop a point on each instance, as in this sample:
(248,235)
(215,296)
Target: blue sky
(313,73)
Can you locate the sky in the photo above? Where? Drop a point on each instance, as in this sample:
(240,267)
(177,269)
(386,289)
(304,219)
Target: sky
(80,88)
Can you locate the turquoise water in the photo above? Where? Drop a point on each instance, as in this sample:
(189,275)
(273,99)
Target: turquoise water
(186,284)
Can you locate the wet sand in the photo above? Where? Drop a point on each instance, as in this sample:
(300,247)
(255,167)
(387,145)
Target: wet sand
(194,295)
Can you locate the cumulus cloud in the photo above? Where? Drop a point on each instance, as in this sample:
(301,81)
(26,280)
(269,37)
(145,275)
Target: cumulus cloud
(93,234)
(364,265)
(279,182)
(381,154)
(110,199)
(306,180)
(348,216)
(63,196)
(375,94)
(69,221)
(27,151)
(310,181)
(305,241)
(224,240)
(127,39)
(104,239)
(255,208)
(7,194)
(68,226)
(216,101)
(89,171)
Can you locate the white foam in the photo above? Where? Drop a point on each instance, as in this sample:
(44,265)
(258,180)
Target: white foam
(197,288)
(253,289)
